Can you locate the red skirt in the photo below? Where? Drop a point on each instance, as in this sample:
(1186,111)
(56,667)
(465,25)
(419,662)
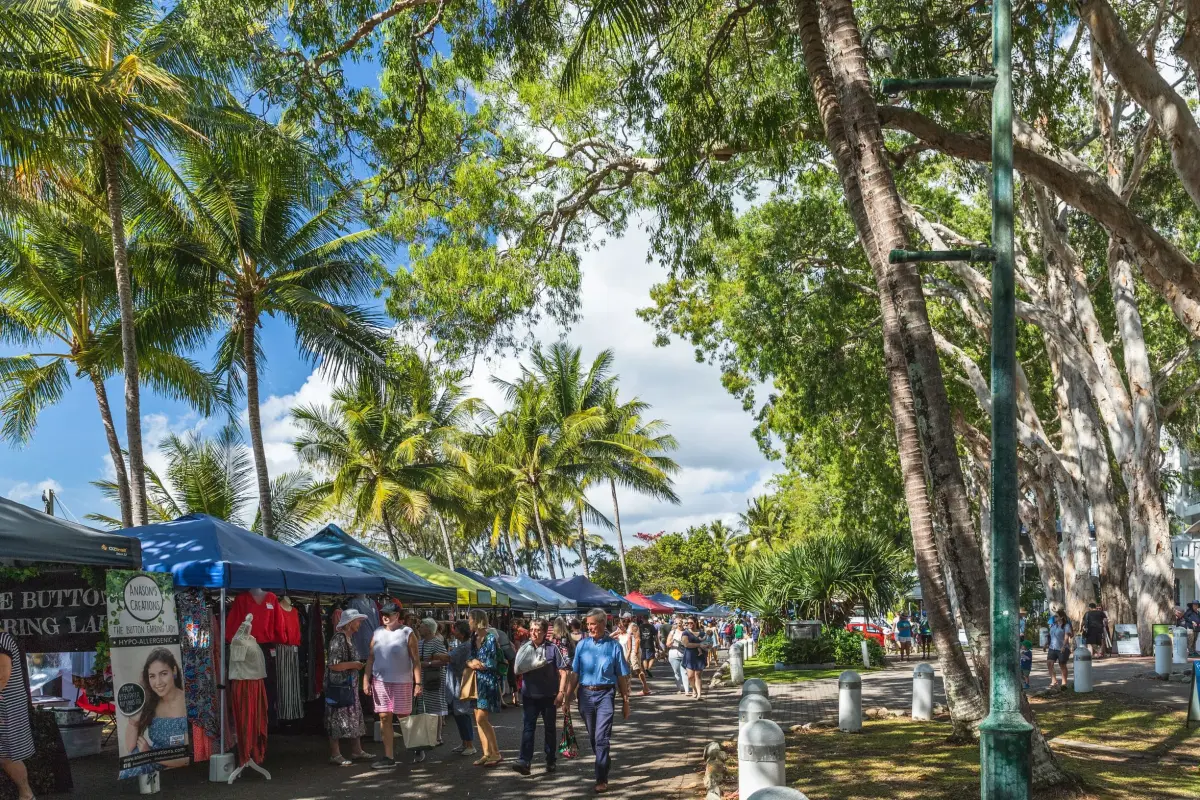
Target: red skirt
(248,702)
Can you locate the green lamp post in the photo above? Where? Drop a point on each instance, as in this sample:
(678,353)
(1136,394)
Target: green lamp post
(1004,736)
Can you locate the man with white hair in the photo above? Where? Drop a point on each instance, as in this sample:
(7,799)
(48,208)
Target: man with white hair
(601,672)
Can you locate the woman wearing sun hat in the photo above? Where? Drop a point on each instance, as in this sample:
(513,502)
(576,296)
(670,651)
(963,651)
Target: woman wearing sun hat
(343,668)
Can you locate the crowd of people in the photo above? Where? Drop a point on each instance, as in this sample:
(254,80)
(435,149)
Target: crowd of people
(467,670)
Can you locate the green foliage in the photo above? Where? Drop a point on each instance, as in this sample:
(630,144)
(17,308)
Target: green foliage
(836,646)
(691,562)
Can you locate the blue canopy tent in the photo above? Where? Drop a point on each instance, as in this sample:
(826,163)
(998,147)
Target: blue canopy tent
(678,605)
(209,553)
(334,544)
(517,599)
(717,610)
(548,598)
(586,594)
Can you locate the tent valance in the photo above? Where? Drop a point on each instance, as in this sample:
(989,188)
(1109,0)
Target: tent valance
(517,599)
(547,596)
(28,535)
(586,594)
(649,603)
(207,552)
(470,592)
(679,606)
(334,544)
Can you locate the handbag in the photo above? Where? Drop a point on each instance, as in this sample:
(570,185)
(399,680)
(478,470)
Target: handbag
(468,689)
(567,746)
(528,659)
(338,694)
(420,731)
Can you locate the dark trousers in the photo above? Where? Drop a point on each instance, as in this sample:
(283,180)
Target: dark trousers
(534,707)
(466,728)
(596,708)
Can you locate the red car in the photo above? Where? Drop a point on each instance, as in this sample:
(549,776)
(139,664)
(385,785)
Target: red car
(873,631)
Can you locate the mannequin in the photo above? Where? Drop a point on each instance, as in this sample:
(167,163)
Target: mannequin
(247,670)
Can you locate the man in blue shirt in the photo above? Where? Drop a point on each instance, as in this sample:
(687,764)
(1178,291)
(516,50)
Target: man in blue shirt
(601,671)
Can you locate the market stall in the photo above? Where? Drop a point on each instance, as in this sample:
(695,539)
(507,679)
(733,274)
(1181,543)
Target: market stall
(52,603)
(547,596)
(517,599)
(651,605)
(470,592)
(332,543)
(717,610)
(207,556)
(587,594)
(678,606)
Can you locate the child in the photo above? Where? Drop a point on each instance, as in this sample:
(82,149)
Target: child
(1026,661)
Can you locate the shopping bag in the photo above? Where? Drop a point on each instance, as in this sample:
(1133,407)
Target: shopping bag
(420,731)
(528,659)
(567,746)
(468,690)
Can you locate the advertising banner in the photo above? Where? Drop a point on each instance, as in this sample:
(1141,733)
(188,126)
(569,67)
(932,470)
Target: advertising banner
(54,612)
(1127,640)
(143,635)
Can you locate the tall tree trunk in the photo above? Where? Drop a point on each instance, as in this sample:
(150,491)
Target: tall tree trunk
(391,537)
(583,555)
(1043,536)
(967,703)
(249,320)
(114,449)
(113,155)
(445,540)
(537,518)
(620,539)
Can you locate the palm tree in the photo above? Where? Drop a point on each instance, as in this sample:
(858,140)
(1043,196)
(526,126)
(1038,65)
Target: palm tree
(215,477)
(574,390)
(764,524)
(57,297)
(634,458)
(380,450)
(282,241)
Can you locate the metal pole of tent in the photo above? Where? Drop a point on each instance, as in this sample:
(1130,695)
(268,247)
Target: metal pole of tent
(224,670)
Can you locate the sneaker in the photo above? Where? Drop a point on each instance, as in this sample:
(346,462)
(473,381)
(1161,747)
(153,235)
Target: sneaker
(419,757)
(458,750)
(384,763)
(469,751)
(551,766)
(520,769)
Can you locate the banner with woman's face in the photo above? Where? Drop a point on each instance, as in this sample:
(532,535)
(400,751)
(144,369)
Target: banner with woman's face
(143,635)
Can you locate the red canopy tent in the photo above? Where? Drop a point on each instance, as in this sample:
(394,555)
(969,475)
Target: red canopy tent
(655,607)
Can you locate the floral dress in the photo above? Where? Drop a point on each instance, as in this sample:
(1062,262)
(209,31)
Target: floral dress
(487,680)
(344,723)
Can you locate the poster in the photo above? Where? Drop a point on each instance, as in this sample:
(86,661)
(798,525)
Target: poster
(54,612)
(143,635)
(1127,640)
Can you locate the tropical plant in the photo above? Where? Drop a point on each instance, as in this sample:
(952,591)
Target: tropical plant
(764,524)
(284,241)
(58,297)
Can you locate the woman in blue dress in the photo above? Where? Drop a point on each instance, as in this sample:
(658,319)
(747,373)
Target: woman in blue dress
(162,723)
(485,655)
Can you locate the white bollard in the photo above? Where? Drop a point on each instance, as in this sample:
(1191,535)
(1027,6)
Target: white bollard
(749,648)
(1179,654)
(1043,637)
(737,665)
(756,686)
(752,708)
(850,702)
(1083,669)
(866,654)
(1162,655)
(778,793)
(922,701)
(761,757)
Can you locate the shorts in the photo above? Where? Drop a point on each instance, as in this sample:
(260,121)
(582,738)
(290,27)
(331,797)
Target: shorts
(904,639)
(1061,656)
(1095,637)
(392,698)
(648,653)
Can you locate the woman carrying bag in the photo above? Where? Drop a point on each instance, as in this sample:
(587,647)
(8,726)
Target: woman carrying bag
(484,678)
(343,714)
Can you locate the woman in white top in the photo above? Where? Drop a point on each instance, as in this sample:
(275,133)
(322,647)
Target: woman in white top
(675,655)
(392,676)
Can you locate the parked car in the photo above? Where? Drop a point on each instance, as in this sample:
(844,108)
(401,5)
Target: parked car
(871,631)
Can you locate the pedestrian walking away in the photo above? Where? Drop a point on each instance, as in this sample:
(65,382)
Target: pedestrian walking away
(1191,621)
(392,677)
(463,711)
(1094,623)
(545,686)
(904,636)
(601,673)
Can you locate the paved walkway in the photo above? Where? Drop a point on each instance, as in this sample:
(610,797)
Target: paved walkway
(656,754)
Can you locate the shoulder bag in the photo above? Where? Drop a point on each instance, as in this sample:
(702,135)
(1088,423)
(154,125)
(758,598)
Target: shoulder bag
(468,690)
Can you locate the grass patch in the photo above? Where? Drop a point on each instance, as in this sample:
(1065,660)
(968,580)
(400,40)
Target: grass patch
(904,760)
(764,671)
(1117,720)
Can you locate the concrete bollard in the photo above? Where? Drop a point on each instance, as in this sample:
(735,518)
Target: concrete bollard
(866,654)
(761,757)
(1179,654)
(850,702)
(752,708)
(1043,637)
(737,664)
(756,686)
(778,793)
(1083,669)
(1162,655)
(749,648)
(922,701)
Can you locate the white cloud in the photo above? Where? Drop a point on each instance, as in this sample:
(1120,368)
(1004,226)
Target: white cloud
(25,491)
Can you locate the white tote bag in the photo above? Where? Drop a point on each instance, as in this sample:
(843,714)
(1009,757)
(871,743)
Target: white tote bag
(420,731)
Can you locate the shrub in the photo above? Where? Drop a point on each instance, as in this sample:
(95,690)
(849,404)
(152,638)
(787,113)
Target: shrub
(833,646)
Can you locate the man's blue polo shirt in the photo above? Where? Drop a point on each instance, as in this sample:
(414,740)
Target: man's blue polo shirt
(600,662)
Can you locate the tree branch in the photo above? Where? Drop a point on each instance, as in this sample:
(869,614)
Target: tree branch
(369,25)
